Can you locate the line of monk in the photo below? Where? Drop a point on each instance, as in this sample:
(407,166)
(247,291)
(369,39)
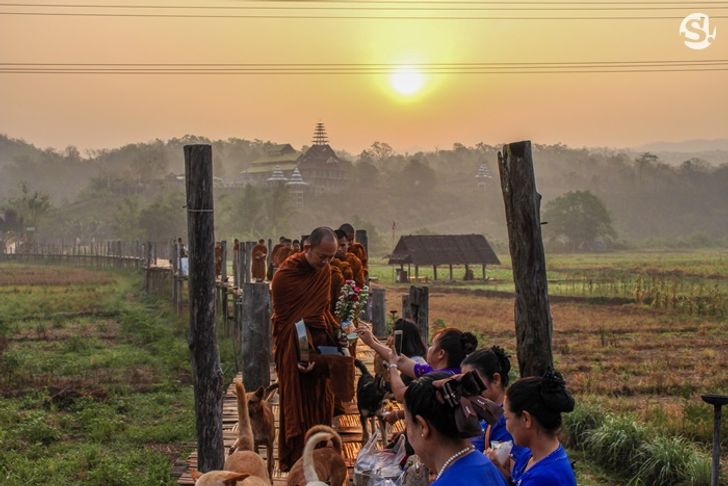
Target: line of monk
(306,286)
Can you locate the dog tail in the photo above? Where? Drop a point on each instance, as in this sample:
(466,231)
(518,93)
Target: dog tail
(309,471)
(244,442)
(335,437)
(362,367)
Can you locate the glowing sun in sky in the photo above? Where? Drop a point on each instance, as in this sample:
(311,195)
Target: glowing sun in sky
(406,80)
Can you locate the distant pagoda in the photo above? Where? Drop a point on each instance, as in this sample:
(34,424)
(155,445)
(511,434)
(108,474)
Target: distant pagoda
(319,135)
(482,177)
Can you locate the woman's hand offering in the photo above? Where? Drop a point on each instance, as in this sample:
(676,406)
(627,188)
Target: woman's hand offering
(364,331)
(391,417)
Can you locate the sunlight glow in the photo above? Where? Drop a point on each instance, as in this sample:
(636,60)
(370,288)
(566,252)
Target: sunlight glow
(406,80)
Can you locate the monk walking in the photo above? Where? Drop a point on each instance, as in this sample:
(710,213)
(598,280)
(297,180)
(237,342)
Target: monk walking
(356,248)
(260,251)
(301,289)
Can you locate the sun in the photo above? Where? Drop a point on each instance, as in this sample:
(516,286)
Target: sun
(406,80)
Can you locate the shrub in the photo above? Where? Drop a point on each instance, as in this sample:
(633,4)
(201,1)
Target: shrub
(616,441)
(669,460)
(579,424)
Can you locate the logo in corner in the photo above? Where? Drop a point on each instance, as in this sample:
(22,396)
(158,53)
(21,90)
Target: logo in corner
(695,28)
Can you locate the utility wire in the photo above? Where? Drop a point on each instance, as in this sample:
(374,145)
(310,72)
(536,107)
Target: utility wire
(338,17)
(542,7)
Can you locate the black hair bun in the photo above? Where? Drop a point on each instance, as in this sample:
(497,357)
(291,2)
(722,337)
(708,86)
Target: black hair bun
(503,359)
(469,342)
(554,394)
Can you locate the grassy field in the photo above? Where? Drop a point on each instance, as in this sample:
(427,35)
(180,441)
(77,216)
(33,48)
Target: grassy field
(637,357)
(95,377)
(94,380)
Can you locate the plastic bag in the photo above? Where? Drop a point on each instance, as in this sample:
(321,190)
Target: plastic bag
(502,450)
(375,466)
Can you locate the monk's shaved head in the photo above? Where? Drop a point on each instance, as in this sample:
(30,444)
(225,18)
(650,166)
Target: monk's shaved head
(320,235)
(348,229)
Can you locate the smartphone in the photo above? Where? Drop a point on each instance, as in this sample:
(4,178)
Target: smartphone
(398,341)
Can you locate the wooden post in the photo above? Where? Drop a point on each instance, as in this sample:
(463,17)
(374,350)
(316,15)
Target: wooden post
(147,266)
(175,271)
(416,306)
(379,313)
(248,261)
(223,267)
(434,271)
(256,335)
(208,377)
(532,312)
(484,271)
(361,237)
(236,265)
(224,287)
(451,272)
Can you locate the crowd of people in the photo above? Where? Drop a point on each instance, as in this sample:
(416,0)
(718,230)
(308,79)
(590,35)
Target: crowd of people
(458,405)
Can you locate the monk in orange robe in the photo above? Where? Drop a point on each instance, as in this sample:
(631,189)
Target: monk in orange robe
(271,265)
(301,289)
(260,251)
(356,248)
(218,259)
(284,252)
(356,268)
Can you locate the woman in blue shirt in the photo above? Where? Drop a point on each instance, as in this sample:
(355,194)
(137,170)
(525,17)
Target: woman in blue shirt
(533,408)
(493,366)
(441,442)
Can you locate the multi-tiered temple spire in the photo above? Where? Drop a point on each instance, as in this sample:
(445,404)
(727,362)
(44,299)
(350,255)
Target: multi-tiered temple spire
(319,135)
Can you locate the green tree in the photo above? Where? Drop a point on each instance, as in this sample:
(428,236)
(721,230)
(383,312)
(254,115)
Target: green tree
(578,220)
(30,205)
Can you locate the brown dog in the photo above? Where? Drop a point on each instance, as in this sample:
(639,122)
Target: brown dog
(327,462)
(243,467)
(226,478)
(262,421)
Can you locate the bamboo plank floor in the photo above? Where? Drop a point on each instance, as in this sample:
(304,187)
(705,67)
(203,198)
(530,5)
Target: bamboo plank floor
(347,425)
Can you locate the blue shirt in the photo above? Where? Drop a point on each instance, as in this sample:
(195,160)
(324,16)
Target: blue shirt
(499,433)
(471,469)
(552,470)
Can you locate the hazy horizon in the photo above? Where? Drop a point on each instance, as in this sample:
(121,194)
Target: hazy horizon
(607,107)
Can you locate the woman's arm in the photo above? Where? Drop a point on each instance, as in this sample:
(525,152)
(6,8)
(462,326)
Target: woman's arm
(406,365)
(367,337)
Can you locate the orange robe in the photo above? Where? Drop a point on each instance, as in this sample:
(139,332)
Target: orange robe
(218,259)
(361,253)
(301,292)
(258,266)
(356,268)
(340,273)
(281,256)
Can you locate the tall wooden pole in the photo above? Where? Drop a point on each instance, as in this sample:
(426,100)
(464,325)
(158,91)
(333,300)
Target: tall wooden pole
(532,312)
(208,377)
(256,335)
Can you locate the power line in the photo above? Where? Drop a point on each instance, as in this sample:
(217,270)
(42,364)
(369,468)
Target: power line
(377,65)
(541,7)
(337,17)
(686,3)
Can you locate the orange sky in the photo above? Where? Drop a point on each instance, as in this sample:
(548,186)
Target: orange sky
(605,109)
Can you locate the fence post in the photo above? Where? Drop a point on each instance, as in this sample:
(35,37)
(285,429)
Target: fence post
(416,306)
(532,311)
(147,266)
(208,383)
(379,319)
(256,335)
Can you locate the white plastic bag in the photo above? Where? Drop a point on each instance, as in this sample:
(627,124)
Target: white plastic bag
(375,466)
(502,450)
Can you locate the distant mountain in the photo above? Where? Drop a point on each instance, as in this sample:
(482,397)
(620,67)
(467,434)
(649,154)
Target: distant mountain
(714,152)
(719,144)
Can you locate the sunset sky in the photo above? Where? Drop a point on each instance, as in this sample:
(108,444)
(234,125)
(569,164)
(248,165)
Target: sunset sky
(593,109)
